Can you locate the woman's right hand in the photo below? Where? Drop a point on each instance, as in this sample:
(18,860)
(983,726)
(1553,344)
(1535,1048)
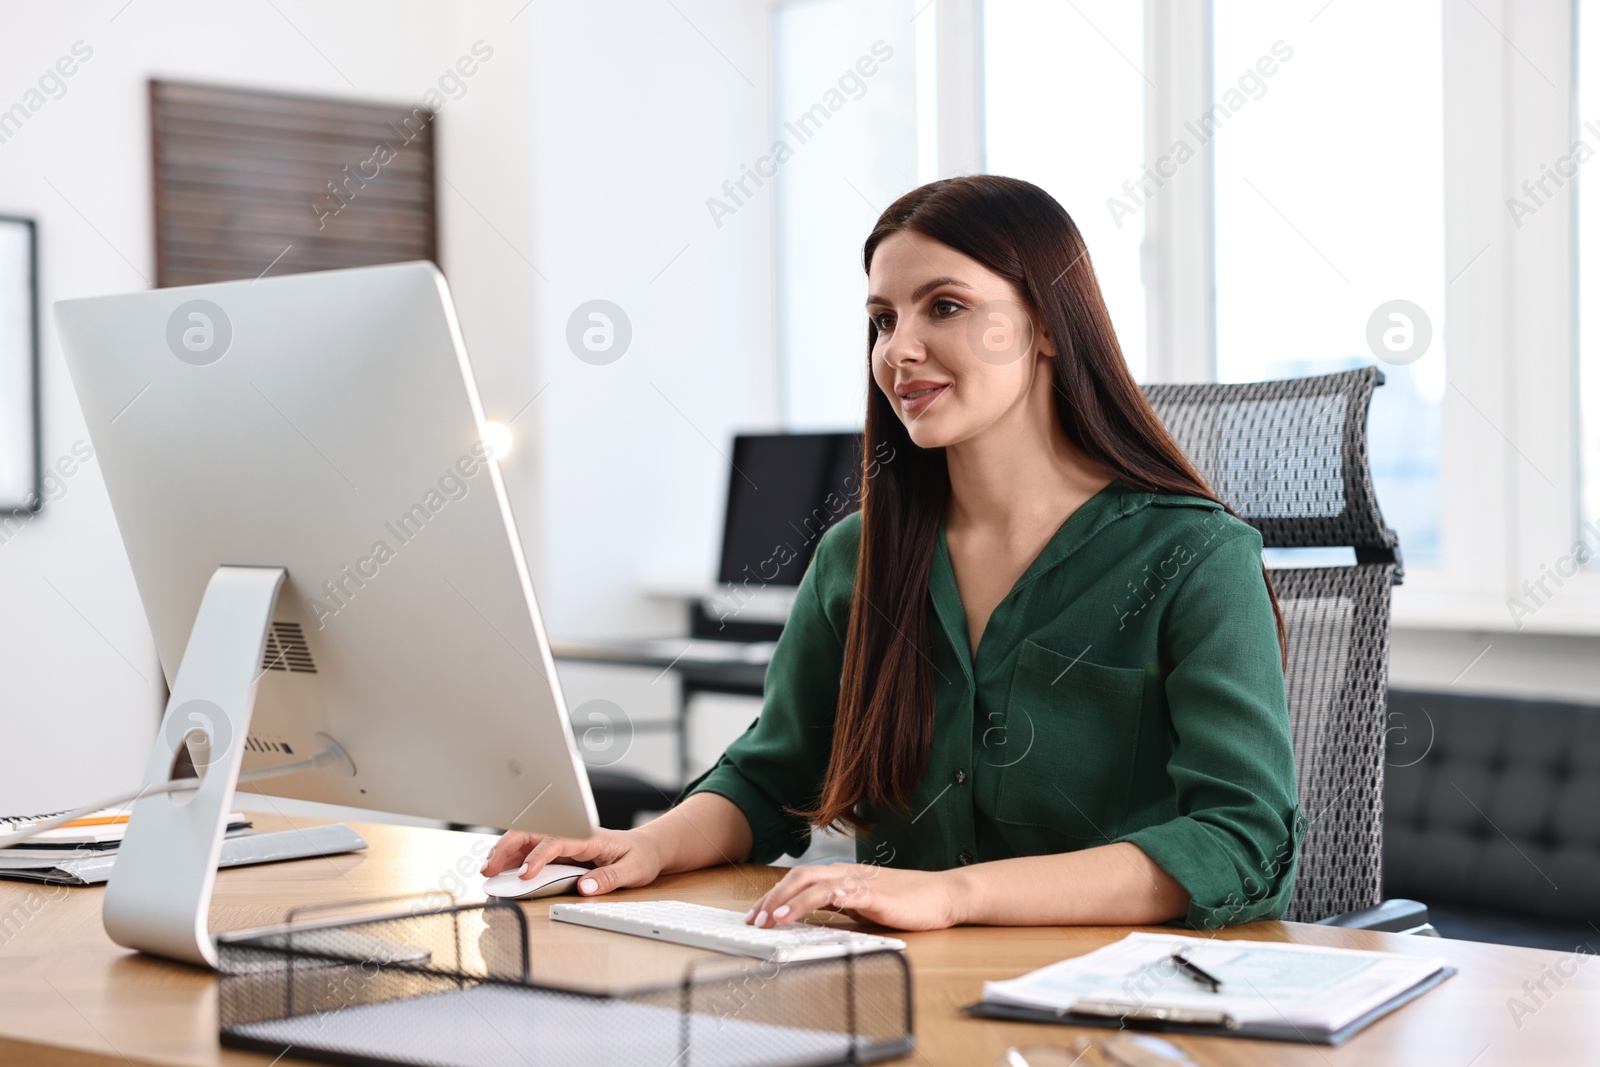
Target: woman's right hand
(621,858)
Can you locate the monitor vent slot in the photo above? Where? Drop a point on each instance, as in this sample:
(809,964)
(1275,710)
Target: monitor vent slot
(287,650)
(256,744)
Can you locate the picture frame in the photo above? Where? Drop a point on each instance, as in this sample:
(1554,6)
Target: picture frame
(21,479)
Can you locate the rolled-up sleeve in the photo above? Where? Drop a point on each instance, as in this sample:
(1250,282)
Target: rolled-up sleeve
(1234,843)
(778,763)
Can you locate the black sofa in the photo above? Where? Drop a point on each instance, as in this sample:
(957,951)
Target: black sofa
(1492,816)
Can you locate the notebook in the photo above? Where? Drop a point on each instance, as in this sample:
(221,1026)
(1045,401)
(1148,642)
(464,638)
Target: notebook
(99,828)
(1271,990)
(240,848)
(79,852)
(97,831)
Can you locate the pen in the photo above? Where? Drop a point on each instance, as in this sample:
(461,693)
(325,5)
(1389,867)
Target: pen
(1195,971)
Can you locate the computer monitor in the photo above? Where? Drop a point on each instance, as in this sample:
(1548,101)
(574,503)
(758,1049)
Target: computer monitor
(784,491)
(326,554)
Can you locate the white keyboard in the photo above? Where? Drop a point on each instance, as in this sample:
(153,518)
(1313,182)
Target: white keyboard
(720,930)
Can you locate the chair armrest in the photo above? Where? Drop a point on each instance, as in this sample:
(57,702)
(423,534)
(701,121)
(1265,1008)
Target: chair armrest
(1397,916)
(620,797)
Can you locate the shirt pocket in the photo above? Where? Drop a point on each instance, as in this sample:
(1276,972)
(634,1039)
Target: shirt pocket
(1072,731)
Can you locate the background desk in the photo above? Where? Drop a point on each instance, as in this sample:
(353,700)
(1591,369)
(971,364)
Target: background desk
(736,677)
(71,998)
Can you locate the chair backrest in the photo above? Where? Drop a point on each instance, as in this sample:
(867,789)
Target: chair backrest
(1290,457)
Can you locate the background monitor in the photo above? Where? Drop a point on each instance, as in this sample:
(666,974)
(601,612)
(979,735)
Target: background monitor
(784,491)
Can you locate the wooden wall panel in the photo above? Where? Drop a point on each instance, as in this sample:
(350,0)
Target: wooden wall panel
(246,180)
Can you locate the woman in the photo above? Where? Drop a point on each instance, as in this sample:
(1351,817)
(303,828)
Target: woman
(1040,673)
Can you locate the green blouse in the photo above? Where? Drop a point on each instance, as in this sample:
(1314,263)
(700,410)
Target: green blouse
(1128,688)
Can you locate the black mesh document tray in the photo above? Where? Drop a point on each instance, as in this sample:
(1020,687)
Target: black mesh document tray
(451,986)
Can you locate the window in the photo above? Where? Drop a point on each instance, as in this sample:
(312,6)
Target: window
(1064,109)
(1325,208)
(1328,134)
(1588,289)
(845,103)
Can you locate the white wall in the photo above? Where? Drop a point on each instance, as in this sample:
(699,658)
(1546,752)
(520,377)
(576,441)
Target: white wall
(585,147)
(638,119)
(1529,666)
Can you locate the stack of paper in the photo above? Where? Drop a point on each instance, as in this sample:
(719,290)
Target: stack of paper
(76,853)
(1298,987)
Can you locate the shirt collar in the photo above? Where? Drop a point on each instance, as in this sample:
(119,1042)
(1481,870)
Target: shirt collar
(1112,502)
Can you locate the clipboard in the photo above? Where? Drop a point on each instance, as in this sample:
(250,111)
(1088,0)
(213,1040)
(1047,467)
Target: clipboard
(1185,1021)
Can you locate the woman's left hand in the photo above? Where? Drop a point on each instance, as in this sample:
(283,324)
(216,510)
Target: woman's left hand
(888,896)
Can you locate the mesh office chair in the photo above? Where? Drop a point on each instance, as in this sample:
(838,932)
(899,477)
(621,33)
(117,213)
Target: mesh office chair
(1291,458)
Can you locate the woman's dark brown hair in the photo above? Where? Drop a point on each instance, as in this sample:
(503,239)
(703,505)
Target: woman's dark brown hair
(883,729)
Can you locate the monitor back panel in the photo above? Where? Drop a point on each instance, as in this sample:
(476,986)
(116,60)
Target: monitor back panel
(332,427)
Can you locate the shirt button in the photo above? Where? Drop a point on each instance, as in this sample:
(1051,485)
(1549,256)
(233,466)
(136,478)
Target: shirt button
(964,859)
(961,777)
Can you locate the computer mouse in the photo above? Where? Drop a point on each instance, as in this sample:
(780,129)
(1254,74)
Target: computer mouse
(552,880)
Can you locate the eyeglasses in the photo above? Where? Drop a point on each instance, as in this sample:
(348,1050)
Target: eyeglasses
(1119,1050)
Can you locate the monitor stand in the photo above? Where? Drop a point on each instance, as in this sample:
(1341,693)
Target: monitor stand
(159,890)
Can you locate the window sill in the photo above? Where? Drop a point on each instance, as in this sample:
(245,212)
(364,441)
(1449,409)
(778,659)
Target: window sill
(1569,613)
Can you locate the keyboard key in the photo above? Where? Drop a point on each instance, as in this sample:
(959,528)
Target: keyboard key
(721,930)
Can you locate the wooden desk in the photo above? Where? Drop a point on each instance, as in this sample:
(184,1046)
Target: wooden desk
(70,997)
